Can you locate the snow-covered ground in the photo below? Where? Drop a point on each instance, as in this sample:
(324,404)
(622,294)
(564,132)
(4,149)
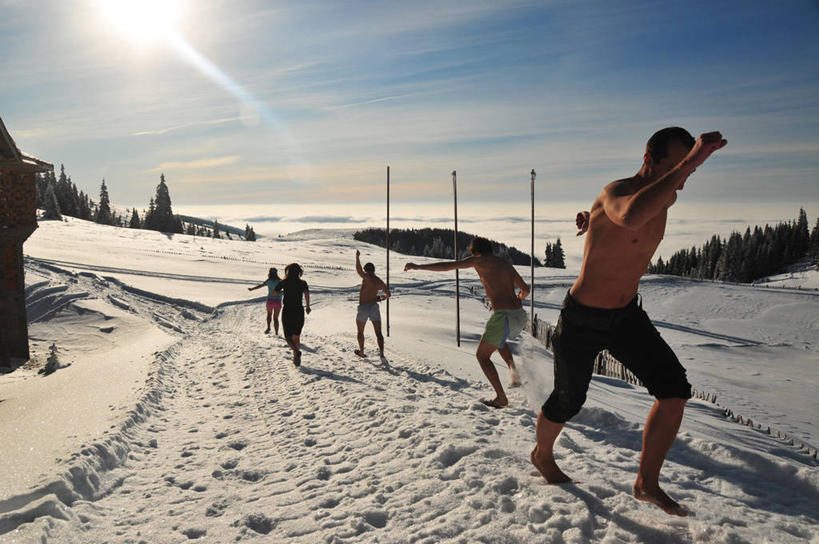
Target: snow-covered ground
(179,419)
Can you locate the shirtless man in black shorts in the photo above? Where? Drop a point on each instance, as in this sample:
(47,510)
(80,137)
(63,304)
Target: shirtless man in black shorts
(368,299)
(601,310)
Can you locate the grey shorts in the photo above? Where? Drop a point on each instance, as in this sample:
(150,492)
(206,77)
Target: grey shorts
(368,311)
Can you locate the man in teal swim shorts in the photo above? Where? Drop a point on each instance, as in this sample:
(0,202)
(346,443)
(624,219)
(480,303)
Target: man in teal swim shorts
(499,278)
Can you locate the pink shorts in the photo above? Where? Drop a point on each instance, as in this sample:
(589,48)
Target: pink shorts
(274,304)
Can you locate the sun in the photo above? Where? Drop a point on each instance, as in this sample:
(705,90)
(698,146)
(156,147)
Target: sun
(142,22)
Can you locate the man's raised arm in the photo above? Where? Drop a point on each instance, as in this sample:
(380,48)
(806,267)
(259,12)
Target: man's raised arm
(358,263)
(633,210)
(442,266)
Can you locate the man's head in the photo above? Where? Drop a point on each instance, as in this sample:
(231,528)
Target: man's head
(666,148)
(480,246)
(369,268)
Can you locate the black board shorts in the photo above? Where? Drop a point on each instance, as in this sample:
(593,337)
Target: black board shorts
(628,334)
(292,320)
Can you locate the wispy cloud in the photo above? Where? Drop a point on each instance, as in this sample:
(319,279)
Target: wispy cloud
(190,125)
(196,164)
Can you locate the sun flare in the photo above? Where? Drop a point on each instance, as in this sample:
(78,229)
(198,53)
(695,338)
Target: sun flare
(141,21)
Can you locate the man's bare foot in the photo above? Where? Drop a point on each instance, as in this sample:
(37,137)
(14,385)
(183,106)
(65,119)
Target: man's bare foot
(359,353)
(496,402)
(548,468)
(658,497)
(514,379)
(267,330)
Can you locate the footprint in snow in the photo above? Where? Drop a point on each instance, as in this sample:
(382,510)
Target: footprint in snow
(229,464)
(238,445)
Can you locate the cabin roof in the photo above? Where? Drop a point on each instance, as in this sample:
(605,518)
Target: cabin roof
(12,158)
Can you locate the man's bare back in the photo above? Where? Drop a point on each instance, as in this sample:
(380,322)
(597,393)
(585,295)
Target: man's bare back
(499,279)
(615,258)
(627,222)
(371,285)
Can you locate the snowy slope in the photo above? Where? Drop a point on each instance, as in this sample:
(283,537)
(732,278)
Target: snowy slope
(226,441)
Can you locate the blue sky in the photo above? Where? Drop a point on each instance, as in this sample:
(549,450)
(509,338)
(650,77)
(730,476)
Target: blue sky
(270,102)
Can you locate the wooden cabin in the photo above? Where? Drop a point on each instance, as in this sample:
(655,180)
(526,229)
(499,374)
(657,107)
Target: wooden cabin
(18,219)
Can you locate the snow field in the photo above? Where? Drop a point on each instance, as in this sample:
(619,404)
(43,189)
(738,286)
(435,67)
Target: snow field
(228,442)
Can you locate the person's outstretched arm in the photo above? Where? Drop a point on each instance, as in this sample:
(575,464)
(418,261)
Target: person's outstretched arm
(307,300)
(257,287)
(633,210)
(358,263)
(442,266)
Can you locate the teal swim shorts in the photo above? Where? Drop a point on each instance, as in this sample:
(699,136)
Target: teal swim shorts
(504,325)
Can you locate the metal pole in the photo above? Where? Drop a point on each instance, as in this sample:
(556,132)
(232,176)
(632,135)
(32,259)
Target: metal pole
(532,287)
(457,276)
(388,249)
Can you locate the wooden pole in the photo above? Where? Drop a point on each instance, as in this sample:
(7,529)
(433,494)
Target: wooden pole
(457,276)
(388,248)
(532,287)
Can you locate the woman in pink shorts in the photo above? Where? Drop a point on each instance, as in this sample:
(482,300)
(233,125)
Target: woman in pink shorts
(274,300)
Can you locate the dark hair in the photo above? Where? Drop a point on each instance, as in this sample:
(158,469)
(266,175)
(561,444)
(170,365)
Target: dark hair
(657,146)
(273,274)
(293,270)
(369,267)
(481,246)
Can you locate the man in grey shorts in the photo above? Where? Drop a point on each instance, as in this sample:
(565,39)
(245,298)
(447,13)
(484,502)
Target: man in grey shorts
(368,299)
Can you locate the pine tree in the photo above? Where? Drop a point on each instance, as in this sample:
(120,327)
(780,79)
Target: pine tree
(104,216)
(52,207)
(558,255)
(813,243)
(801,237)
(159,209)
(42,180)
(250,236)
(660,268)
(216,229)
(549,260)
(135,223)
(65,196)
(84,211)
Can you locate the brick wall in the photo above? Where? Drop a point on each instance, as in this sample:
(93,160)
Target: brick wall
(18,219)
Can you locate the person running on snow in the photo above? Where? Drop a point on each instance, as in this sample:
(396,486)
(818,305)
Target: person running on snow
(274,301)
(293,312)
(601,310)
(499,279)
(368,299)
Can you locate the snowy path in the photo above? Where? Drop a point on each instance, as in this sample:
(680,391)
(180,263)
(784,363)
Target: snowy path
(240,444)
(222,440)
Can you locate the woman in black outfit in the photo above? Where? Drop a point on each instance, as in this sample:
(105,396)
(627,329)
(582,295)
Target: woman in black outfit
(293,312)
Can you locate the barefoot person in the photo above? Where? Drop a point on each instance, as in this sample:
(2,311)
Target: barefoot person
(368,299)
(274,300)
(601,310)
(499,278)
(293,313)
